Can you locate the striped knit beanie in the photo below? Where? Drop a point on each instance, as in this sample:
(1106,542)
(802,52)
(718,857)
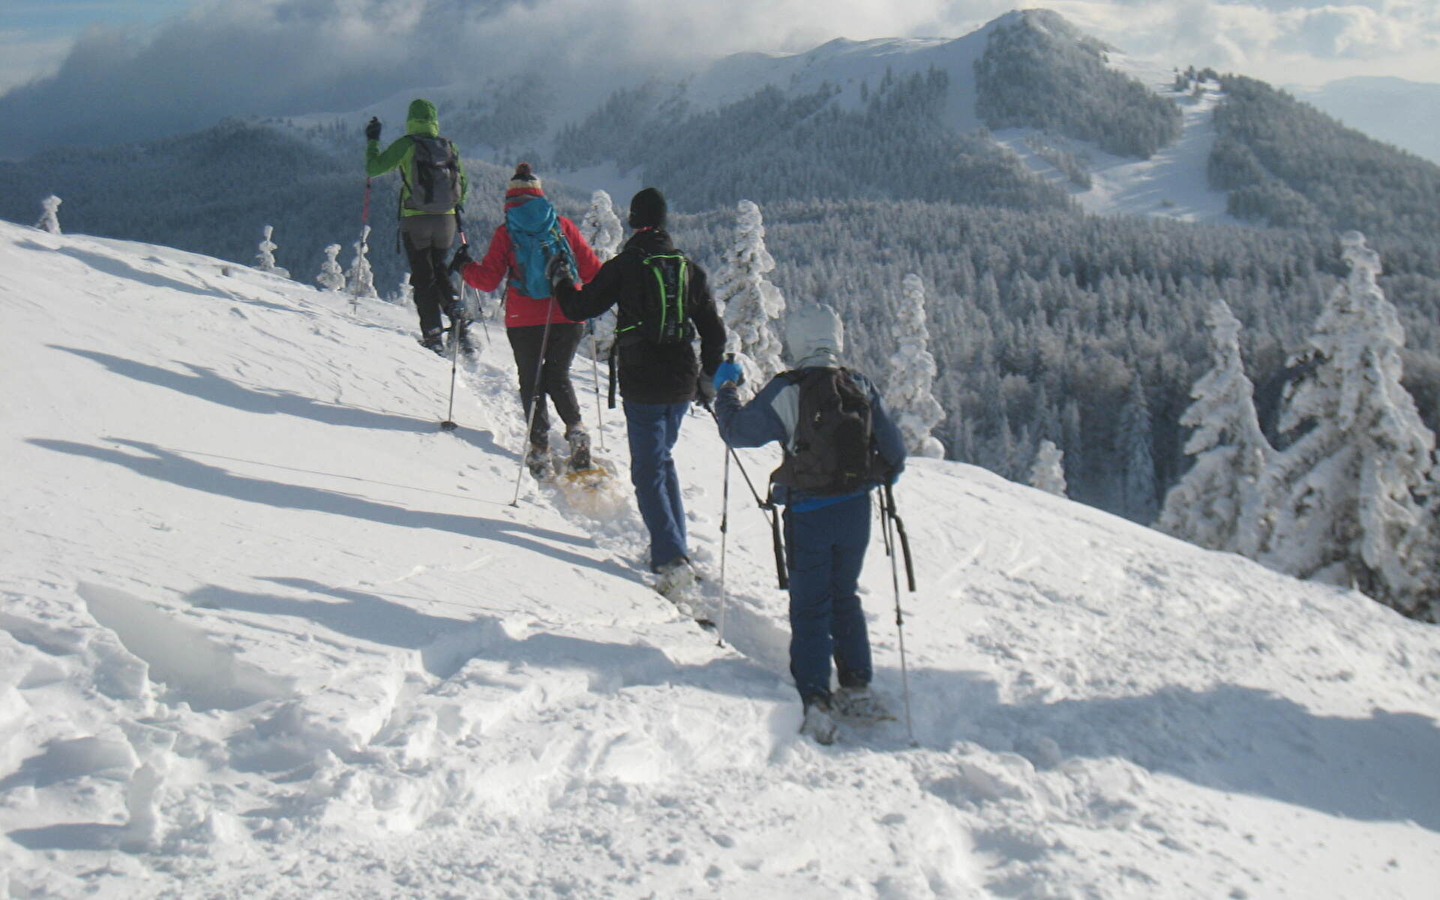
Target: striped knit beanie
(523,185)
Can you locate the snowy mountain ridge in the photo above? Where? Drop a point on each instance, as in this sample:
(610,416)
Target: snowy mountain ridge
(267,632)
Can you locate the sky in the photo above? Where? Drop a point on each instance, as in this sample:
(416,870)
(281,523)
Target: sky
(70,59)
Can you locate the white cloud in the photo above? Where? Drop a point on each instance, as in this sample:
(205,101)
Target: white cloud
(1276,40)
(25,58)
(291,56)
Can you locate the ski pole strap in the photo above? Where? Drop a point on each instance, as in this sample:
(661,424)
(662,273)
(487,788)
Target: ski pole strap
(904,538)
(614,347)
(780,567)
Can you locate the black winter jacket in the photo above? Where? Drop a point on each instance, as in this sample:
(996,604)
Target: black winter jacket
(650,373)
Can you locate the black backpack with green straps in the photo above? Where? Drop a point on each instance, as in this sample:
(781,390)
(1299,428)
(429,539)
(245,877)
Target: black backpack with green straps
(662,316)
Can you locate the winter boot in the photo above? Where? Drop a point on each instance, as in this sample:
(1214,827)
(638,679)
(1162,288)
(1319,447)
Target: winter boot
(579,441)
(675,578)
(819,724)
(434,340)
(538,461)
(467,346)
(860,704)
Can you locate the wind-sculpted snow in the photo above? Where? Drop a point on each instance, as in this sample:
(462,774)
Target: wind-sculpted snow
(267,632)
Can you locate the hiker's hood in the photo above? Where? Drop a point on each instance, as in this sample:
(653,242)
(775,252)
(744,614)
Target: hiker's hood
(422,119)
(814,336)
(534,215)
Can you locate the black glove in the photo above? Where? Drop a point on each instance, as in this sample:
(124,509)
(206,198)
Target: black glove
(705,387)
(461,259)
(372,131)
(557,272)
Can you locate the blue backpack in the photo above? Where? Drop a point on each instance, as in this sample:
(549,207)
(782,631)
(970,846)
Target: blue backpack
(536,238)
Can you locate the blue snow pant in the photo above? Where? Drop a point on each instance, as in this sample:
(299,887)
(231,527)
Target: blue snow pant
(652,429)
(826,549)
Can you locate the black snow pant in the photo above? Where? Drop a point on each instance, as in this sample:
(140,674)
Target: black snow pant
(554,374)
(427,244)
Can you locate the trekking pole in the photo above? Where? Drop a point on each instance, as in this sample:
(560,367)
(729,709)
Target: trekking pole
(595,373)
(888,518)
(904,538)
(537,396)
(448,424)
(457,313)
(767,508)
(724,533)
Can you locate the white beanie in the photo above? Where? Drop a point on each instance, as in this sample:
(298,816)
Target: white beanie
(814,336)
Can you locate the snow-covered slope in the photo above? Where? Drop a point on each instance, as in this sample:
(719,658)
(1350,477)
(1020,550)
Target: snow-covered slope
(1173,183)
(267,632)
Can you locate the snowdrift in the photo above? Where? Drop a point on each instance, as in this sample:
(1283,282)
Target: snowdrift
(266,631)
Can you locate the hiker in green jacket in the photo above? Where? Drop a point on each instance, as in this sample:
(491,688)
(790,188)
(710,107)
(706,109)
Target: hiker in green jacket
(432,189)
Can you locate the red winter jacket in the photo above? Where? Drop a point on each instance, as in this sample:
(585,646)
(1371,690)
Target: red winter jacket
(499,262)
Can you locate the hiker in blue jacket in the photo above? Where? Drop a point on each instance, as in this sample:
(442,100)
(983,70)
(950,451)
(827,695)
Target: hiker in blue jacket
(826,534)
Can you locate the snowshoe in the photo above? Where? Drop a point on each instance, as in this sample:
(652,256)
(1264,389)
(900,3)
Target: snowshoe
(593,492)
(434,341)
(818,724)
(579,441)
(859,705)
(676,578)
(537,460)
(467,346)
(678,582)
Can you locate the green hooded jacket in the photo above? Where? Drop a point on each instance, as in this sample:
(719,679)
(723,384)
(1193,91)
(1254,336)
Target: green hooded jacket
(421,120)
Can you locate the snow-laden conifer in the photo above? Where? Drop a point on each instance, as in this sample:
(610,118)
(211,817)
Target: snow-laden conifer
(912,375)
(1139,462)
(752,305)
(1048,472)
(331,277)
(1216,504)
(359,278)
(603,232)
(404,292)
(1340,500)
(49,215)
(601,227)
(265,259)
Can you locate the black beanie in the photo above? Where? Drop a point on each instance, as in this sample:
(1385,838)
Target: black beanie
(647,209)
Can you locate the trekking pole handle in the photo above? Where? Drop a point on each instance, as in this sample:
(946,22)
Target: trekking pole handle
(904,538)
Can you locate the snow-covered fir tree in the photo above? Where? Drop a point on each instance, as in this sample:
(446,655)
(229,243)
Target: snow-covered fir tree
(265,259)
(1139,461)
(1216,504)
(912,374)
(601,227)
(49,215)
(1048,472)
(603,232)
(331,277)
(404,292)
(1341,500)
(359,278)
(752,305)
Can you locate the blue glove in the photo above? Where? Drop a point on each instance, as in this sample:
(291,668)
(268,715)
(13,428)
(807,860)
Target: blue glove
(728,372)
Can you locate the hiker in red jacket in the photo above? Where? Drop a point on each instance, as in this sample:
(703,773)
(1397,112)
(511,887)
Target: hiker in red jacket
(543,339)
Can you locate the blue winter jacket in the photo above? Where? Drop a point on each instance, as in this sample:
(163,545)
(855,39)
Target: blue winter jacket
(772,416)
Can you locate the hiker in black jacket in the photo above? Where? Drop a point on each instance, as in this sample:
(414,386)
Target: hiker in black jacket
(657,381)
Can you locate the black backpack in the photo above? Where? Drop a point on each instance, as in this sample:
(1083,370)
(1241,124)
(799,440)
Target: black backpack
(433,175)
(834,450)
(663,316)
